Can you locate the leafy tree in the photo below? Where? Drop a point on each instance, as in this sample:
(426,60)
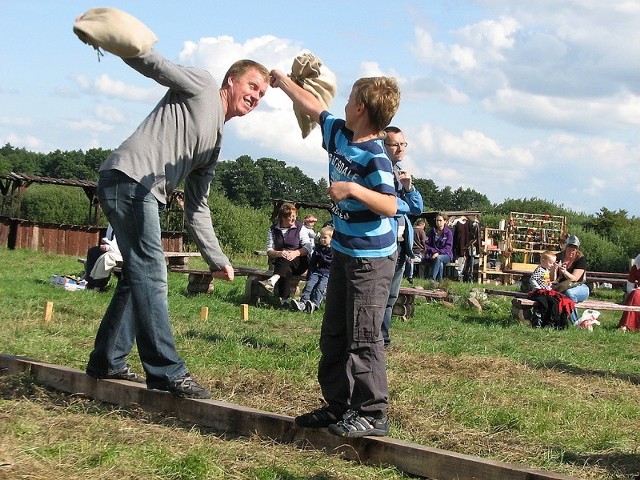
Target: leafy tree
(532,205)
(20,160)
(5,165)
(69,165)
(469,199)
(607,222)
(242,182)
(239,229)
(429,191)
(93,158)
(55,204)
(322,187)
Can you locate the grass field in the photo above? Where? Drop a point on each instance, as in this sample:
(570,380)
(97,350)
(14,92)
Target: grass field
(472,382)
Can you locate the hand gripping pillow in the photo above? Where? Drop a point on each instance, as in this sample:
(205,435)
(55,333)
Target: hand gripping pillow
(310,73)
(115,31)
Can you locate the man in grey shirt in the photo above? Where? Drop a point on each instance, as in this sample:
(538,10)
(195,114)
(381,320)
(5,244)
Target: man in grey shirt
(178,141)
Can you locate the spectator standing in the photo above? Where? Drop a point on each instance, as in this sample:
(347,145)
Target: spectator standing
(409,202)
(179,141)
(352,369)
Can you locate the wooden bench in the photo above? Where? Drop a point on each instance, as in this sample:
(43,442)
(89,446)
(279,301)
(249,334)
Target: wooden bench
(405,304)
(593,278)
(200,281)
(521,304)
(174,259)
(179,259)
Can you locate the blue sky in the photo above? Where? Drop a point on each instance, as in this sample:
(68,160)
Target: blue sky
(512,99)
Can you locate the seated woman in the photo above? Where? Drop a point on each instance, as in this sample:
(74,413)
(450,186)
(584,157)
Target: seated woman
(631,320)
(439,247)
(569,272)
(101,260)
(418,250)
(288,248)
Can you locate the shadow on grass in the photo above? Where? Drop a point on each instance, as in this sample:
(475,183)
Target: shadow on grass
(625,464)
(587,372)
(492,319)
(23,387)
(247,340)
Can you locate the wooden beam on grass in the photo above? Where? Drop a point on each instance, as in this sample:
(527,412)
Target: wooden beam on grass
(233,419)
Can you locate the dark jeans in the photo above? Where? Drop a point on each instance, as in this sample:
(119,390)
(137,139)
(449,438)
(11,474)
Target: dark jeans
(437,266)
(315,288)
(394,291)
(352,369)
(139,307)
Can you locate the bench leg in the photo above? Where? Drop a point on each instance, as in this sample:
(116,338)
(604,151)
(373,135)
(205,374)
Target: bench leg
(200,283)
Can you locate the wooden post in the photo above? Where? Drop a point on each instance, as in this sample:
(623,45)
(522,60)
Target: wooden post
(204,314)
(48,311)
(244,311)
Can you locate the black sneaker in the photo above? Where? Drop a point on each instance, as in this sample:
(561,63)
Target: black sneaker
(186,387)
(353,424)
(296,306)
(321,417)
(309,306)
(125,374)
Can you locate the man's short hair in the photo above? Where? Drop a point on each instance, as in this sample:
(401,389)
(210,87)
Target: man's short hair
(241,67)
(392,129)
(381,97)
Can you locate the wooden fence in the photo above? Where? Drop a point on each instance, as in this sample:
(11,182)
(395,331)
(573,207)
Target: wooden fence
(73,240)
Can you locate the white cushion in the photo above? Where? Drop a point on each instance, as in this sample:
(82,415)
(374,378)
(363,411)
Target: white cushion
(115,31)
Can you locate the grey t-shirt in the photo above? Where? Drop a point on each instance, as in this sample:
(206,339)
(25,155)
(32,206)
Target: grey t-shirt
(179,140)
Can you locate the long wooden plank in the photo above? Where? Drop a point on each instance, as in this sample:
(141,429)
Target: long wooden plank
(423,292)
(524,300)
(593,304)
(234,419)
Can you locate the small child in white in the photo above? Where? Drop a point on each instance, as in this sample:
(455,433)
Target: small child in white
(541,276)
(541,280)
(318,274)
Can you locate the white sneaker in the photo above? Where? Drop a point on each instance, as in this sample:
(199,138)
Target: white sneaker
(296,306)
(309,306)
(266,284)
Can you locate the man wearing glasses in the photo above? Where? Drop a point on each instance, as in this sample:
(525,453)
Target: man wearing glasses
(409,202)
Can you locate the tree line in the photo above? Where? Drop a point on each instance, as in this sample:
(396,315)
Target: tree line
(244,181)
(247,186)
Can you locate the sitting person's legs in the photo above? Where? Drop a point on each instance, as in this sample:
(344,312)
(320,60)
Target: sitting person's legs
(579,293)
(437,266)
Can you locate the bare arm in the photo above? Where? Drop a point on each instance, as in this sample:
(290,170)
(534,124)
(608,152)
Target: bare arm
(380,203)
(305,101)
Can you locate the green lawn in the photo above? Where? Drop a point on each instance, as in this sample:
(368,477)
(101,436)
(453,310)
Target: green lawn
(472,382)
